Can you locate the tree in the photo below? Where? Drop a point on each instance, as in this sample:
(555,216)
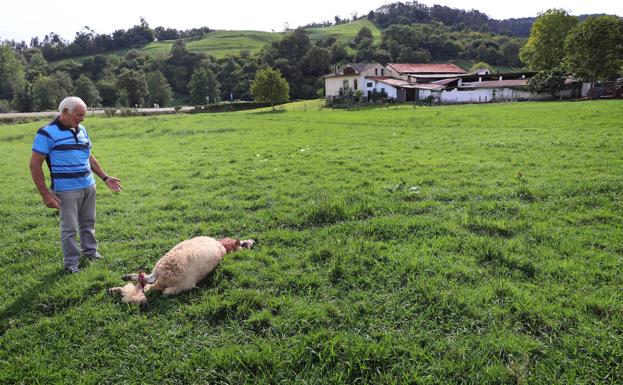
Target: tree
(108,91)
(544,49)
(133,85)
(270,86)
(338,53)
(594,48)
(46,93)
(406,55)
(12,74)
(85,89)
(365,51)
(96,67)
(158,88)
(64,84)
(364,33)
(229,77)
(480,66)
(510,50)
(203,84)
(551,82)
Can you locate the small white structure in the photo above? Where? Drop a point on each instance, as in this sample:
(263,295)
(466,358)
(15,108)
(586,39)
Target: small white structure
(354,76)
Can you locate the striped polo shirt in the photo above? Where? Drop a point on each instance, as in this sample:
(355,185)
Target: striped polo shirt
(67,154)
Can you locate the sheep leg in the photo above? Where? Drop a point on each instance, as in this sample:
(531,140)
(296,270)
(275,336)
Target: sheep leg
(151,278)
(154,286)
(130,277)
(115,290)
(171,290)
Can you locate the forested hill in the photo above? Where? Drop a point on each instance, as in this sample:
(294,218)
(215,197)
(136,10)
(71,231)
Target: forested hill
(145,66)
(88,42)
(458,19)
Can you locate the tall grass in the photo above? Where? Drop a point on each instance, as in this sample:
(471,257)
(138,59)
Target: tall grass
(464,244)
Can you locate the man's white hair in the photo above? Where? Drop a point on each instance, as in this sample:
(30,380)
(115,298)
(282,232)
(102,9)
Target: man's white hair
(70,103)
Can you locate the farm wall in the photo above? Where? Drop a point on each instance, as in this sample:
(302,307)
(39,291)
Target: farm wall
(485,95)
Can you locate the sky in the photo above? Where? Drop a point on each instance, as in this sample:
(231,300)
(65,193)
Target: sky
(21,20)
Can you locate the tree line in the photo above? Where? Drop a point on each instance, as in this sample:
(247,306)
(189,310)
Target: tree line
(29,81)
(87,42)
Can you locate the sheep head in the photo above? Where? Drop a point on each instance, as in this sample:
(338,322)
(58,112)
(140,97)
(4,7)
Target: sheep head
(230,244)
(235,244)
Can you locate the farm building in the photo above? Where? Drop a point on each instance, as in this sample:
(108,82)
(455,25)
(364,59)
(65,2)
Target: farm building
(439,83)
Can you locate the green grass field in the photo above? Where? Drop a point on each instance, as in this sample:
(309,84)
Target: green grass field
(474,244)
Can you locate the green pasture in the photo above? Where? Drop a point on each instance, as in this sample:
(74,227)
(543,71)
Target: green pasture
(222,43)
(473,244)
(344,32)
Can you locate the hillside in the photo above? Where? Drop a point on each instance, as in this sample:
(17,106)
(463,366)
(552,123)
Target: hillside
(221,43)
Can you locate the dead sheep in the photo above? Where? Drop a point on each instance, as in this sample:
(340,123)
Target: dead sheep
(180,269)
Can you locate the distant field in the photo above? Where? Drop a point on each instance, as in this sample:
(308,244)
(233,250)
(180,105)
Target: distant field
(344,32)
(223,43)
(473,244)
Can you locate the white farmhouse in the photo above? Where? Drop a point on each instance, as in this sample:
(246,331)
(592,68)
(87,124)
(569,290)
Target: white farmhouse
(356,76)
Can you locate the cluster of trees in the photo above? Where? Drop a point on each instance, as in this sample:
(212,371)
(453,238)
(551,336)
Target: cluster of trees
(434,41)
(28,82)
(87,42)
(414,12)
(561,44)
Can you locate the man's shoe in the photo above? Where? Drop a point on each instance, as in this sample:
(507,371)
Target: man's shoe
(95,257)
(72,270)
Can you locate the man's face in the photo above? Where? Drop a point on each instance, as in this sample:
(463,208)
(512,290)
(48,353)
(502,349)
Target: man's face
(73,119)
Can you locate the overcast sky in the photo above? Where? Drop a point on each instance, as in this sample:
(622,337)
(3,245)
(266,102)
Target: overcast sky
(23,19)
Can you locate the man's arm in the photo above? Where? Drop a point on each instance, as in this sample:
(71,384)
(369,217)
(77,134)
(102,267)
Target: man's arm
(111,181)
(36,171)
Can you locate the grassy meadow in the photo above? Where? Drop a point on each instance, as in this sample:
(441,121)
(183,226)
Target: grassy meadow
(474,244)
(224,43)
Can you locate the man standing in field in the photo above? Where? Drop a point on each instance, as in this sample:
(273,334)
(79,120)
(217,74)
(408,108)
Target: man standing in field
(65,146)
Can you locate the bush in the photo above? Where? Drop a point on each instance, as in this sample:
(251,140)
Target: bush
(5,106)
(110,112)
(229,106)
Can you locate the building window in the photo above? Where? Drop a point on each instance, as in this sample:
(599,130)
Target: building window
(382,72)
(355,84)
(345,84)
(376,71)
(369,84)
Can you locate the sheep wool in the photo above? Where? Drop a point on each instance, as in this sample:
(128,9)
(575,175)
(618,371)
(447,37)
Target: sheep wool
(186,264)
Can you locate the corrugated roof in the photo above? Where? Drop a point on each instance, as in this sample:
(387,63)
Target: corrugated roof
(445,81)
(405,84)
(428,86)
(412,68)
(496,83)
(359,67)
(391,81)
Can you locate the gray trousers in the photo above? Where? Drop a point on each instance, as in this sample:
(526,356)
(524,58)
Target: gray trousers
(77,214)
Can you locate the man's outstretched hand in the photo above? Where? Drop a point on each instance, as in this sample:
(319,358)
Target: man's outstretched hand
(113,183)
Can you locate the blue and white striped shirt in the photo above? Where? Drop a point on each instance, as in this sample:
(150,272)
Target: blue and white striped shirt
(67,155)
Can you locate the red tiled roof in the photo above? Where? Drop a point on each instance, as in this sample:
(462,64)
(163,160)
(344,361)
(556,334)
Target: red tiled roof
(445,68)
